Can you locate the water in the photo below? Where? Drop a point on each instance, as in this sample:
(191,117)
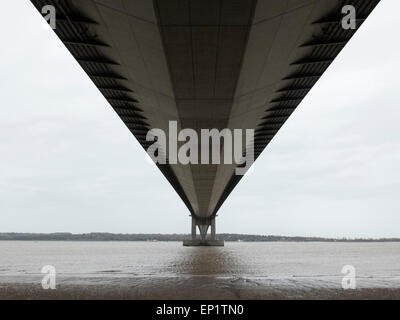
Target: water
(244,266)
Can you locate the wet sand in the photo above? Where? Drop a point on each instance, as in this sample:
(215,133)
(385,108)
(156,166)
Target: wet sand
(184,289)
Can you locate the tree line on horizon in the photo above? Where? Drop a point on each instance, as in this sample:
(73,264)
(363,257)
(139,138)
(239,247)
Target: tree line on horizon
(100,236)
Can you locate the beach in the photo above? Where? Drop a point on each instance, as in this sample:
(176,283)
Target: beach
(167,270)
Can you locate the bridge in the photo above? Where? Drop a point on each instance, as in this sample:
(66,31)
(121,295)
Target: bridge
(235,64)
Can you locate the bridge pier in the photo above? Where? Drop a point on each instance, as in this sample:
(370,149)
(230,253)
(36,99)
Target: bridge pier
(203,226)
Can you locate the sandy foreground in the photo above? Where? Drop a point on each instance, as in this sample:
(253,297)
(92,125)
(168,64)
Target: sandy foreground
(184,288)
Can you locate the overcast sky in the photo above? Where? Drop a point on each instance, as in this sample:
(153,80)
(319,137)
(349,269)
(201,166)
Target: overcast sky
(67,162)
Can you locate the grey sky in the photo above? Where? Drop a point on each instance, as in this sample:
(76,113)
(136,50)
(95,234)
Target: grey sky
(68,163)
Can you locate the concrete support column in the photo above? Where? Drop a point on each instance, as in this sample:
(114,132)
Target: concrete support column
(203,240)
(193,228)
(213,229)
(203,230)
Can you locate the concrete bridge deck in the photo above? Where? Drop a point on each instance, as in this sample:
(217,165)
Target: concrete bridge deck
(237,64)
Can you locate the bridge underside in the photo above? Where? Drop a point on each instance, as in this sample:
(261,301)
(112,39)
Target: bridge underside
(238,64)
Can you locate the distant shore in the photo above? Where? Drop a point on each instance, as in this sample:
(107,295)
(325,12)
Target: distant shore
(93,236)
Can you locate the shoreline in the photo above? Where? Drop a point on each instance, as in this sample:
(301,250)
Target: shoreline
(228,241)
(186,288)
(158,237)
(75,292)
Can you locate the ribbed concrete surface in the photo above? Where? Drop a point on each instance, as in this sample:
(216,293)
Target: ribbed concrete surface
(207,64)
